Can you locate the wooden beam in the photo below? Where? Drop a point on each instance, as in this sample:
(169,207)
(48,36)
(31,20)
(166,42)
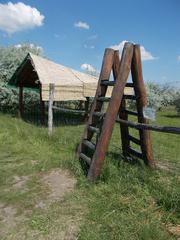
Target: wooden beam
(42,108)
(50,108)
(122,114)
(86,108)
(101,91)
(111,114)
(140,92)
(142,126)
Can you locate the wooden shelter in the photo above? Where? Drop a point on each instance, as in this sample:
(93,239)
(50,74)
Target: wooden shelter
(39,72)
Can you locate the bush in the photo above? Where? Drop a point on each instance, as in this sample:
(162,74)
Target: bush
(161,96)
(9,98)
(177,103)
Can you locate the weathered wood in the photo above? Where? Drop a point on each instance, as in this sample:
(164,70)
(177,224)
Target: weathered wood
(142,126)
(85,158)
(129,85)
(130,97)
(122,114)
(86,108)
(42,108)
(107,83)
(140,92)
(131,112)
(103,99)
(21,107)
(50,108)
(99,114)
(111,114)
(101,91)
(134,140)
(135,153)
(93,129)
(89,144)
(67,110)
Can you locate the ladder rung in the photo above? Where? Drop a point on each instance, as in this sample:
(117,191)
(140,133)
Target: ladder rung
(129,84)
(135,153)
(89,144)
(131,112)
(98,114)
(94,129)
(107,83)
(85,158)
(132,97)
(103,99)
(134,140)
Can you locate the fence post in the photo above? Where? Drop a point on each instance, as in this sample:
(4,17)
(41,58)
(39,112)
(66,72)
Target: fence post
(86,109)
(50,108)
(42,108)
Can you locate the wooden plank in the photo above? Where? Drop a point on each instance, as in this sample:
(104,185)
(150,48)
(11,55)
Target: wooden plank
(86,108)
(93,129)
(142,126)
(130,112)
(134,140)
(135,153)
(125,143)
(99,114)
(89,144)
(103,99)
(42,108)
(85,158)
(140,91)
(101,91)
(68,110)
(50,109)
(111,114)
(129,85)
(108,83)
(130,97)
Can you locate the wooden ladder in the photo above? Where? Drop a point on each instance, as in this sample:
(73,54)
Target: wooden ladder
(101,124)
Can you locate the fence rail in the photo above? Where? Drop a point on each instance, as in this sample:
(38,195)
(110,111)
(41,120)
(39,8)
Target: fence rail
(165,129)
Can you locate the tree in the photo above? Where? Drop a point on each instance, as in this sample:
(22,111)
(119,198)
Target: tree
(12,56)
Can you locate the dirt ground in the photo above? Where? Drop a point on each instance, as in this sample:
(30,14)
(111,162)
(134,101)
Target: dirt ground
(58,184)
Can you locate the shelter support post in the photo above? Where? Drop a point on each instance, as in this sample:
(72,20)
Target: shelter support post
(42,109)
(20,110)
(50,108)
(86,108)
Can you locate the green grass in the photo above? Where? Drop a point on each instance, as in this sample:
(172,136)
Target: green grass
(128,202)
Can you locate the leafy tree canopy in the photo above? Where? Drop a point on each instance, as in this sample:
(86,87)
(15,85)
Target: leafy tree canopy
(12,56)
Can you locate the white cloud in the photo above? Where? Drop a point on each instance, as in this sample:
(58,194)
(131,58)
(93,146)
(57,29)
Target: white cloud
(15,17)
(89,46)
(178,58)
(145,55)
(88,67)
(83,25)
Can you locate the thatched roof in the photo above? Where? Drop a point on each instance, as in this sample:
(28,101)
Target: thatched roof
(36,72)
(71,84)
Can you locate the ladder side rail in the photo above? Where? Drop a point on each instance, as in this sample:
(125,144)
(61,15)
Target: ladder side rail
(122,114)
(101,91)
(112,111)
(140,92)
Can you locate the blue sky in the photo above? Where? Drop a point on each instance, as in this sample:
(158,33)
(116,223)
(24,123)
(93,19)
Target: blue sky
(76,32)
